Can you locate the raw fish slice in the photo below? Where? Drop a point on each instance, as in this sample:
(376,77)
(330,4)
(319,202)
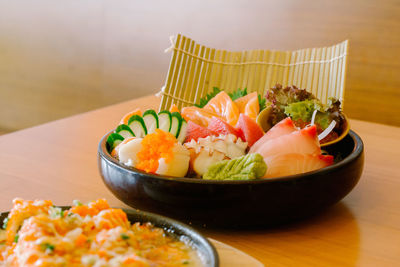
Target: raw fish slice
(199,116)
(195,131)
(290,164)
(304,141)
(248,129)
(285,126)
(223,105)
(220,126)
(252,108)
(248,105)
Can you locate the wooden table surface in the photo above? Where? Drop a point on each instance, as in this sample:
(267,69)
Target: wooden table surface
(58,161)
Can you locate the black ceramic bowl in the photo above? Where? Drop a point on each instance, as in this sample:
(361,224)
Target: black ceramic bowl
(237,203)
(204,248)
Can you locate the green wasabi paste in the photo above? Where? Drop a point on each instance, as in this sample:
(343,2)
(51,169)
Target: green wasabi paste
(248,167)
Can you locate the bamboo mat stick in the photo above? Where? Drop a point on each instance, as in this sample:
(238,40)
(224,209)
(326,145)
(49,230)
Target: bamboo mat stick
(194,69)
(183,94)
(264,71)
(311,70)
(166,100)
(285,77)
(343,67)
(252,70)
(257,86)
(333,75)
(271,58)
(236,71)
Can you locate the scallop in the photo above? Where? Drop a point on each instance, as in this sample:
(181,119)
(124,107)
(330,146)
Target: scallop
(127,153)
(178,165)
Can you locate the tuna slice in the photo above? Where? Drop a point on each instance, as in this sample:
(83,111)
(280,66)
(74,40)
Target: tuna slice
(248,129)
(219,126)
(195,131)
(284,127)
(290,164)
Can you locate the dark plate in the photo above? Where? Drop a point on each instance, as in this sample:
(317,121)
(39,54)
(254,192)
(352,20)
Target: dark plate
(205,249)
(237,203)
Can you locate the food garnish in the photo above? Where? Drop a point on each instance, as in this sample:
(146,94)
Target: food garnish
(248,167)
(133,124)
(299,104)
(159,153)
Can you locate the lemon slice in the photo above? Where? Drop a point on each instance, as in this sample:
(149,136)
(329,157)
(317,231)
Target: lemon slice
(263,117)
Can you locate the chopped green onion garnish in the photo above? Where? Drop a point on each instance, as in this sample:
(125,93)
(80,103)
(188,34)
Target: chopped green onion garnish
(47,247)
(124,236)
(56,212)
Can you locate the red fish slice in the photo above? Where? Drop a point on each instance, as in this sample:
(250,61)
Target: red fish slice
(304,141)
(285,126)
(221,127)
(290,164)
(248,129)
(195,131)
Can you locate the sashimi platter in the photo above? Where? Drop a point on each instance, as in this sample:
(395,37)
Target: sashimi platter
(237,141)
(232,136)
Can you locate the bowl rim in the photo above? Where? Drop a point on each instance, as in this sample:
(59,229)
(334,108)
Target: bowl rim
(356,152)
(170,224)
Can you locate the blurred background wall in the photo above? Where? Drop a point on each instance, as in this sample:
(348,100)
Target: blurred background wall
(59,58)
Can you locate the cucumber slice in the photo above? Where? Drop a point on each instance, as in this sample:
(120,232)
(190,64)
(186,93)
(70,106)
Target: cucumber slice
(182,133)
(124,131)
(137,125)
(150,120)
(113,140)
(176,123)
(164,120)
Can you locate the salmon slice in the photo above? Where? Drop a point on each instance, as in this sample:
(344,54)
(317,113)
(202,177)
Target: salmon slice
(173,108)
(304,141)
(199,116)
(248,105)
(223,105)
(128,115)
(295,163)
(285,126)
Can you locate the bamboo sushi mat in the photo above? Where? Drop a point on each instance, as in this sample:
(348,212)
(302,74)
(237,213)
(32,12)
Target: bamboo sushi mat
(196,69)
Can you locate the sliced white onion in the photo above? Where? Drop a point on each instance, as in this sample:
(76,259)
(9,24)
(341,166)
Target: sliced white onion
(327,130)
(313,116)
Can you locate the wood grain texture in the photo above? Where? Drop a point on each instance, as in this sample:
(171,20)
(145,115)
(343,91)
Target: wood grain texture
(232,257)
(58,161)
(59,59)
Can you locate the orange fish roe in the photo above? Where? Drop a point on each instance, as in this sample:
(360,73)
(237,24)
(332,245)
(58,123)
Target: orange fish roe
(157,145)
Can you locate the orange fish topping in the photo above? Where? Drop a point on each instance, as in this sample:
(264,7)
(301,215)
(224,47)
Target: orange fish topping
(157,145)
(128,115)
